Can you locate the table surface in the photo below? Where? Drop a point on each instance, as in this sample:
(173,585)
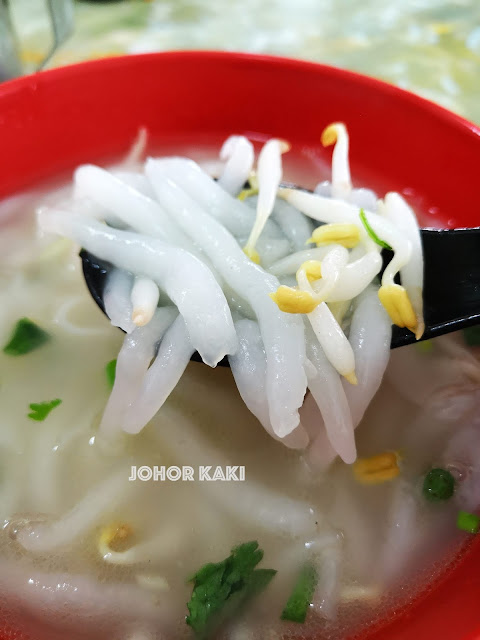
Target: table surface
(431,47)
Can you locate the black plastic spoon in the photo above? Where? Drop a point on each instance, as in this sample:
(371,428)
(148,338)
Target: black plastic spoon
(451,291)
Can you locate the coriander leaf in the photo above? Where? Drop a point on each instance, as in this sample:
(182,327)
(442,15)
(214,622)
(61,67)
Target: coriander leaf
(259,580)
(372,233)
(220,589)
(26,337)
(255,584)
(40,410)
(301,597)
(471,335)
(110,372)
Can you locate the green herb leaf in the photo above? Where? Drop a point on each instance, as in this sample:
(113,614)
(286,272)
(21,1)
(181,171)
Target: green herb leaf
(40,410)
(221,589)
(26,337)
(301,597)
(468,522)
(471,335)
(439,484)
(372,233)
(110,371)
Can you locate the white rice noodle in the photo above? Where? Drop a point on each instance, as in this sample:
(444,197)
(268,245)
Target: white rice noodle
(249,503)
(269,176)
(101,500)
(238,154)
(296,227)
(282,333)
(117,299)
(290,264)
(234,215)
(135,180)
(91,209)
(328,560)
(363,199)
(133,361)
(324,189)
(249,368)
(62,319)
(402,535)
(269,249)
(370,337)
(320,452)
(351,515)
(339,310)
(400,214)
(162,377)
(99,609)
(186,280)
(11,488)
(144,297)
(135,209)
(43,472)
(327,390)
(264,508)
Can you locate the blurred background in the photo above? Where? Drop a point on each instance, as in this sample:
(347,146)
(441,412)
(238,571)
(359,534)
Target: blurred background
(429,46)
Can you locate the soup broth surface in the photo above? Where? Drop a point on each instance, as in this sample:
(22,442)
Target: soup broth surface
(376,546)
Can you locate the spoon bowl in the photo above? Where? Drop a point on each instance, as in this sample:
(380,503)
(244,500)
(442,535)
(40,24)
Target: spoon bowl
(451,292)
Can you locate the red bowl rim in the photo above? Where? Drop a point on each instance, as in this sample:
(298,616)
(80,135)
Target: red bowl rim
(449,117)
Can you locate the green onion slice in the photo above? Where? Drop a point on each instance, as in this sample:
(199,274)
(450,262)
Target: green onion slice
(372,233)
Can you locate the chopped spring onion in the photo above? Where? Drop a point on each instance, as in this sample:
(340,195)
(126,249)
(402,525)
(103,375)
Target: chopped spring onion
(468,522)
(26,337)
(301,597)
(220,589)
(424,346)
(40,410)
(471,336)
(439,484)
(372,233)
(110,371)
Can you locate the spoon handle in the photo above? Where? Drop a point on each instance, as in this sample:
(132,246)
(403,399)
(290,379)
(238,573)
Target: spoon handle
(451,292)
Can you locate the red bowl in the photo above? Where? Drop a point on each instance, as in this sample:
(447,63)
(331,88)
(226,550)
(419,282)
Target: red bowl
(54,120)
